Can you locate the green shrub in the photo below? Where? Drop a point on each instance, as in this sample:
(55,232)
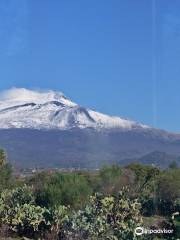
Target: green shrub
(176,223)
(168,191)
(19,212)
(3,157)
(113,218)
(60,216)
(110,179)
(63,189)
(6,179)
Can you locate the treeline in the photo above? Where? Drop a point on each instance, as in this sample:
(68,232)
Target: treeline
(108,204)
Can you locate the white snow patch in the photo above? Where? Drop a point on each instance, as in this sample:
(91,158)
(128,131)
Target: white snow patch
(60,112)
(21,95)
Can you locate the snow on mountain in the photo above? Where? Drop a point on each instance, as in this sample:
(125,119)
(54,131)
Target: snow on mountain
(23,108)
(18,96)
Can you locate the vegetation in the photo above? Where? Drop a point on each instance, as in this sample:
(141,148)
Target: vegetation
(108,204)
(113,217)
(2,157)
(60,189)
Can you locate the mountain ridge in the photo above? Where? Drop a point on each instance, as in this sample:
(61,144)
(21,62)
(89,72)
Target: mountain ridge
(46,129)
(23,108)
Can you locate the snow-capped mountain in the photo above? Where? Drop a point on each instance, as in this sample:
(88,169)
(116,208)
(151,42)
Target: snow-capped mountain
(23,108)
(46,129)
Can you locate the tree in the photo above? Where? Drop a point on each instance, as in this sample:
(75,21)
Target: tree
(62,189)
(6,178)
(2,157)
(173,165)
(145,186)
(110,179)
(5,171)
(168,191)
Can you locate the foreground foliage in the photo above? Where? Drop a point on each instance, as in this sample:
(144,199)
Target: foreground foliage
(103,218)
(19,211)
(107,218)
(105,204)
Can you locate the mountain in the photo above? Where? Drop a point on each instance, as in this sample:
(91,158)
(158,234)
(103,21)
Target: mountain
(22,108)
(159,159)
(155,158)
(46,129)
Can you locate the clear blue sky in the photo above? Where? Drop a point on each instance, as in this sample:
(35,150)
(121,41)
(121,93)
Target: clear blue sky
(121,57)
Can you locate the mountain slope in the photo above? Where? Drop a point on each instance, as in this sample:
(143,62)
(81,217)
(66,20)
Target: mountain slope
(81,148)
(22,108)
(155,158)
(45,129)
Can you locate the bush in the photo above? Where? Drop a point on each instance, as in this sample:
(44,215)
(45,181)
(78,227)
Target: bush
(37,210)
(168,191)
(6,180)
(19,212)
(3,157)
(5,172)
(63,189)
(113,217)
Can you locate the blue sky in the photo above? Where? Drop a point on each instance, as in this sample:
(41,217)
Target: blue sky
(121,57)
